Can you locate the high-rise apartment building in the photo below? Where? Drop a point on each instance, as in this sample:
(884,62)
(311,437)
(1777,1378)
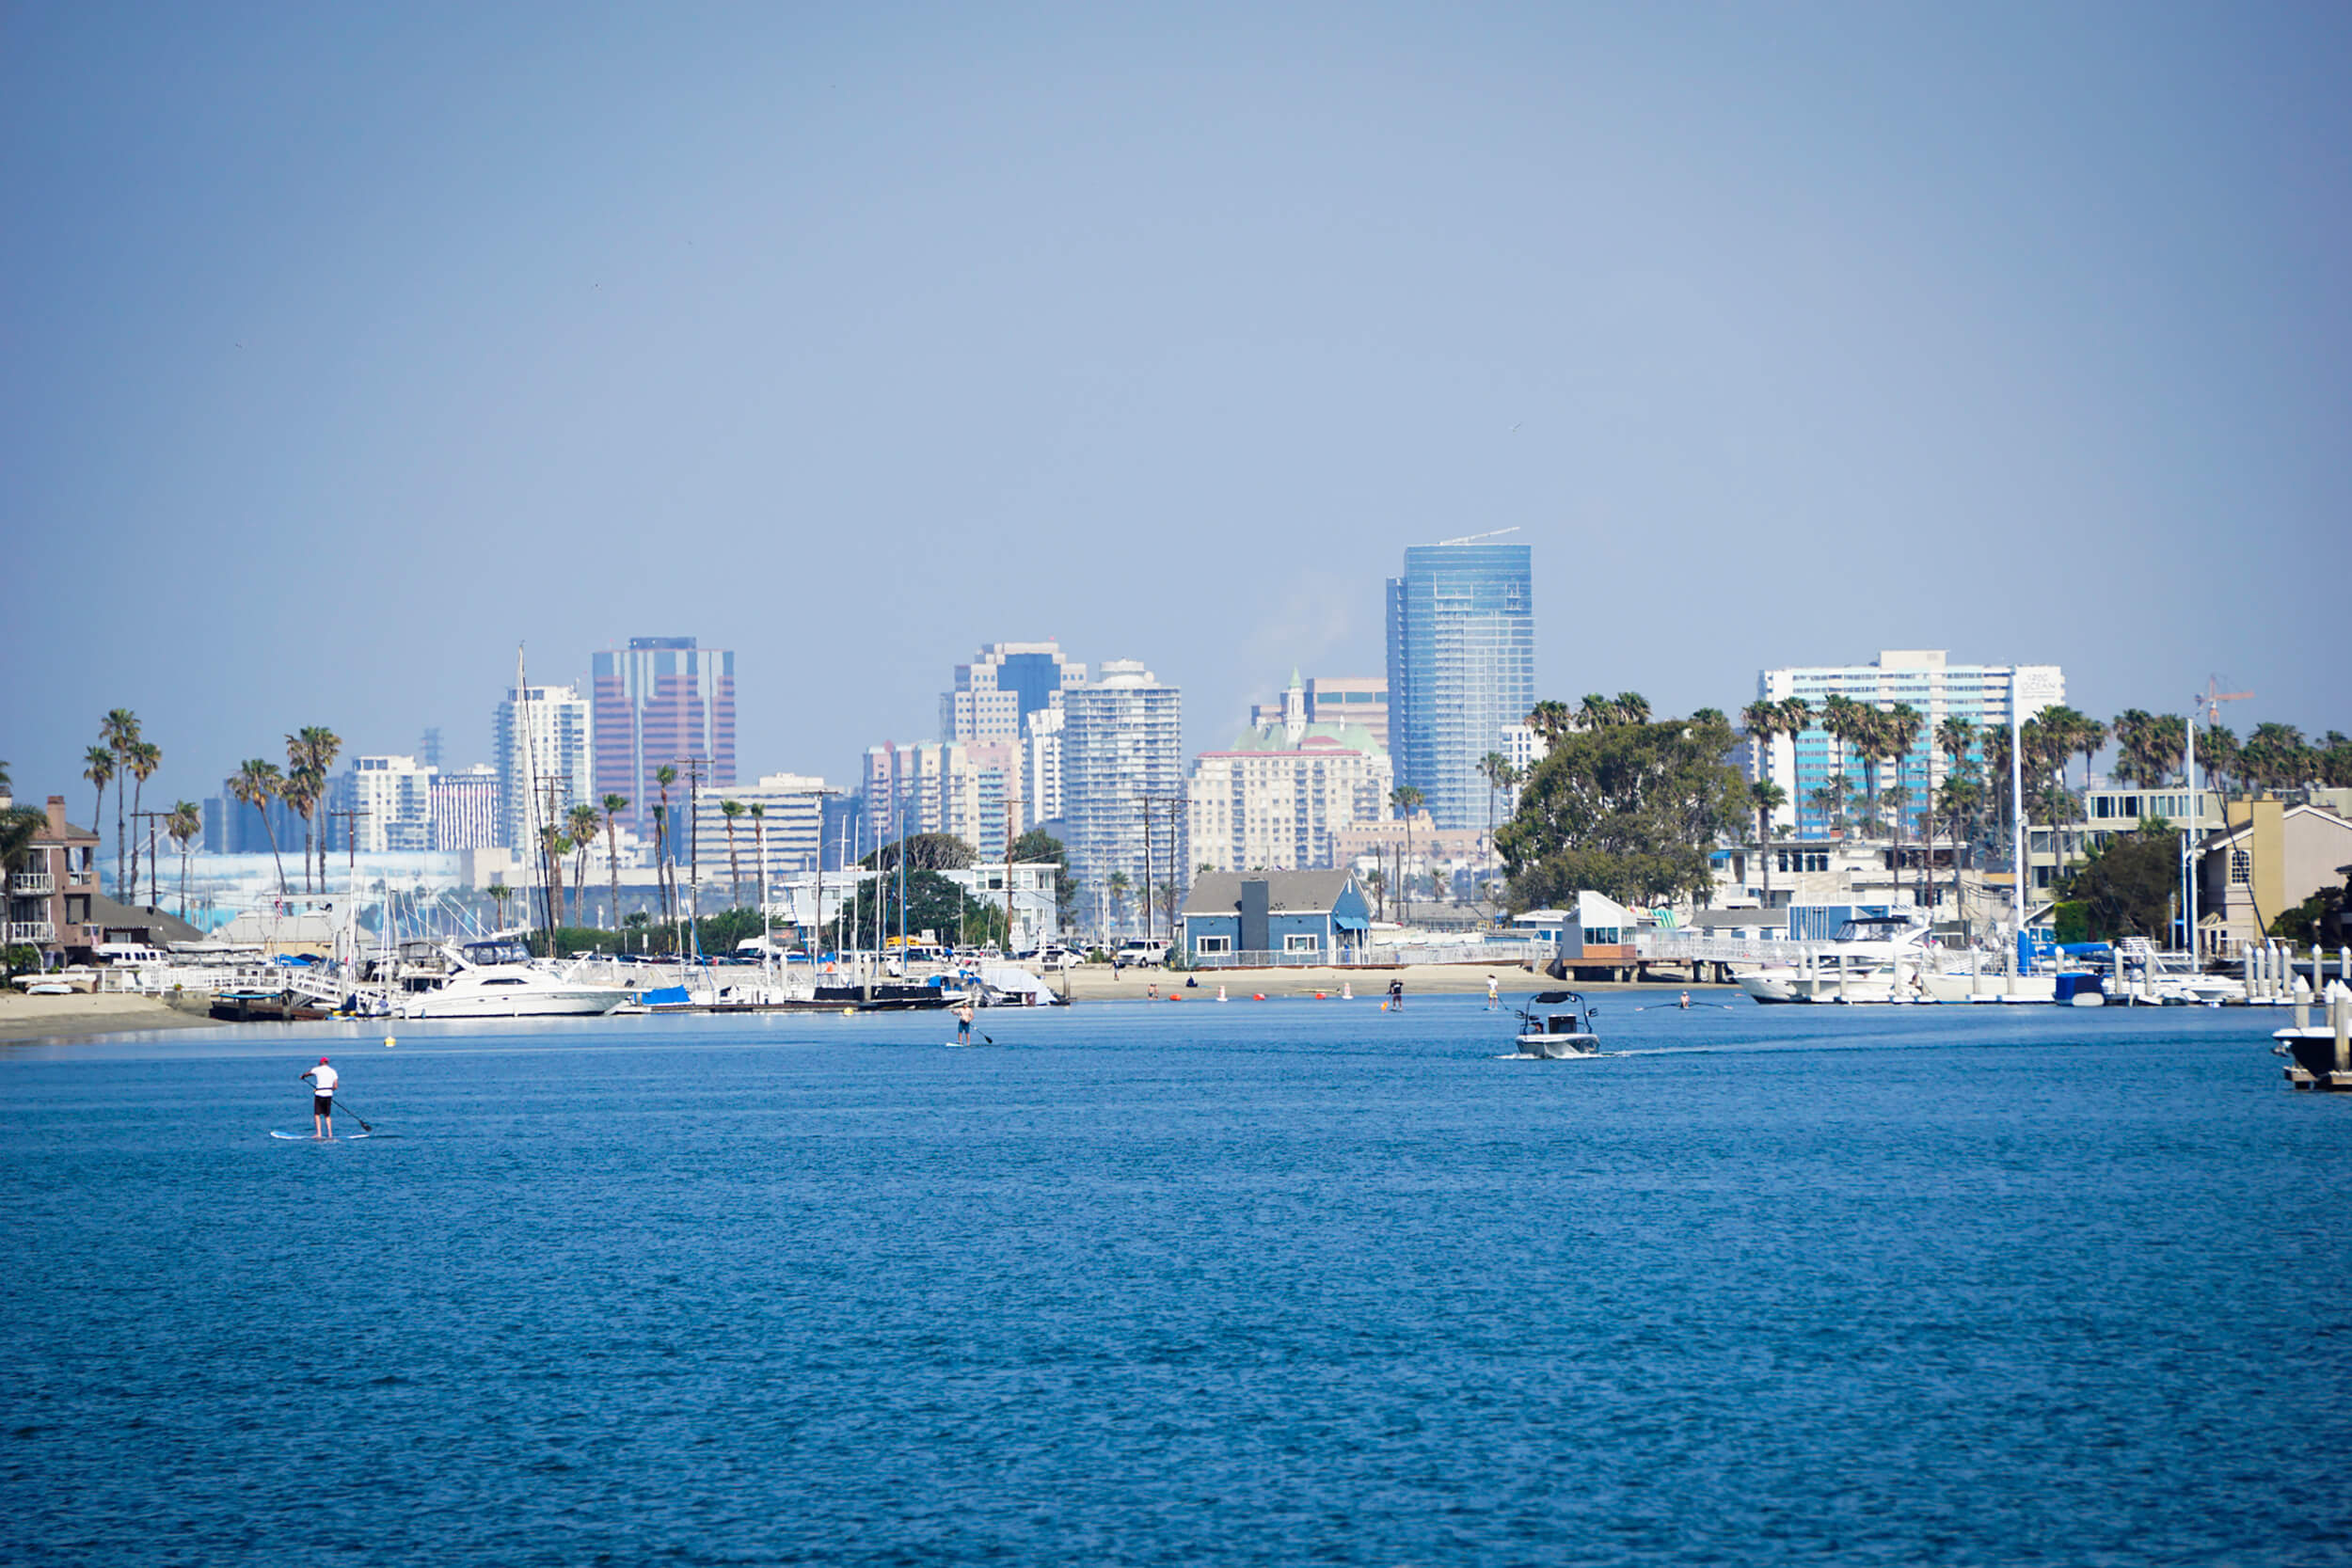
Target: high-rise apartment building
(1272,801)
(539,743)
(995,694)
(657,701)
(1804,764)
(466,808)
(382,803)
(1461,625)
(1358,700)
(1123,756)
(934,786)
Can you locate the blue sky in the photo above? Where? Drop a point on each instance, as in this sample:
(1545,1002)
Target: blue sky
(347,348)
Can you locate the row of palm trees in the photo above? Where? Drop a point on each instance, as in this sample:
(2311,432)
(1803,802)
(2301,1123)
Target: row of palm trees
(124,756)
(310,754)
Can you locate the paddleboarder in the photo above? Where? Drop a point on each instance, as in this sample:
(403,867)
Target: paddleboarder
(1396,995)
(323,1080)
(1494,993)
(964,1021)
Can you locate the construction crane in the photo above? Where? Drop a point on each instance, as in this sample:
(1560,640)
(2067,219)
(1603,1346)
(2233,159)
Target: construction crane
(2214,697)
(1474,538)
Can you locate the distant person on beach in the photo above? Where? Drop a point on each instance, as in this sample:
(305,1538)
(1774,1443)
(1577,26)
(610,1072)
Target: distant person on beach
(964,1021)
(323,1080)
(1396,994)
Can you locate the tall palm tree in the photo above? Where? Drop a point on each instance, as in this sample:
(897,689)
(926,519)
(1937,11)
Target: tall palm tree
(98,767)
(2133,730)
(759,860)
(310,754)
(1765,723)
(1631,708)
(730,809)
(1117,885)
(120,730)
(2166,746)
(2088,736)
(256,782)
(183,825)
(1843,720)
(553,847)
(142,757)
(1897,732)
(499,893)
(664,776)
(300,790)
(1407,799)
(1550,719)
(1766,797)
(1596,712)
(580,825)
(613,806)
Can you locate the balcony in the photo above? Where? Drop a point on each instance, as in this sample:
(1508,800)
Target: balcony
(34,933)
(33,884)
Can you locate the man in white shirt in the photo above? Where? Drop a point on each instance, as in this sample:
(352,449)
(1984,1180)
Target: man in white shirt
(323,1080)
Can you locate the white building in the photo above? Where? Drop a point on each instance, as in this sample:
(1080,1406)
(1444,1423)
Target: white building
(1001,690)
(465,810)
(390,802)
(1273,799)
(934,787)
(1123,757)
(1040,768)
(539,744)
(1935,688)
(791,817)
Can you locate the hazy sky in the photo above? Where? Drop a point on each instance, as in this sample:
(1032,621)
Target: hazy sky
(346,349)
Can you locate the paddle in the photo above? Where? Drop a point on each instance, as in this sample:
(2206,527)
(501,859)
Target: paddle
(355,1116)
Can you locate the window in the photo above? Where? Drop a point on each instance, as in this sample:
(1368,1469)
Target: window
(1212,945)
(2241,868)
(1302,941)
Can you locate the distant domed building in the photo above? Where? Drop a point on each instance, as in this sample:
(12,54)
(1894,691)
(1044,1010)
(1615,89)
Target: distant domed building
(1271,800)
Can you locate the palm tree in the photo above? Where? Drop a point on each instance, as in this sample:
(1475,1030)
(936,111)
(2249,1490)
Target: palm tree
(1378,881)
(2218,751)
(142,757)
(580,824)
(1767,798)
(1119,884)
(1829,801)
(1898,731)
(553,847)
(1765,722)
(759,860)
(300,790)
(120,730)
(310,754)
(664,776)
(1596,712)
(730,809)
(2276,758)
(98,767)
(1407,799)
(2088,736)
(613,806)
(256,782)
(1631,708)
(499,893)
(1551,719)
(1844,720)
(182,826)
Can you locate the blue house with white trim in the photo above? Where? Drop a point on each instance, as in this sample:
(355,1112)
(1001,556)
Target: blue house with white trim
(1241,918)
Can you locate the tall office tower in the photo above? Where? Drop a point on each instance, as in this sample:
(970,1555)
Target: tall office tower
(539,743)
(391,799)
(934,786)
(996,692)
(429,748)
(1804,764)
(1461,668)
(1123,756)
(1271,800)
(658,700)
(466,808)
(791,814)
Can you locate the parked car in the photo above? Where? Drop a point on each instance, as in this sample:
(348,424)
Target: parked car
(1136,950)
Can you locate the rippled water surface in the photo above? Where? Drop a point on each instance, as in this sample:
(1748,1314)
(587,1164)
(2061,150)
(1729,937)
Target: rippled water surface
(1281,1282)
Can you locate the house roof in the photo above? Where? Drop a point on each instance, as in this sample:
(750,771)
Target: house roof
(2223,838)
(107,915)
(1287,892)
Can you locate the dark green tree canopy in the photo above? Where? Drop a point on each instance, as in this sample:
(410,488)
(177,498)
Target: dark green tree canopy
(924,852)
(1626,809)
(2126,888)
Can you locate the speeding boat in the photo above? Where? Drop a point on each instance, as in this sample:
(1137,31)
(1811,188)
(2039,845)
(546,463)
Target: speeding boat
(1557,1025)
(498,979)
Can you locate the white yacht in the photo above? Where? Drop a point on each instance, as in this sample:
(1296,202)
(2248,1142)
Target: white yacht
(498,979)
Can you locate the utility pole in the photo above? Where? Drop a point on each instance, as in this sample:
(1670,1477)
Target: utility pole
(150,817)
(1172,801)
(818,940)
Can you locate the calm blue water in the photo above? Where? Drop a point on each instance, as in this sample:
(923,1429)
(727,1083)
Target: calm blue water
(1291,1282)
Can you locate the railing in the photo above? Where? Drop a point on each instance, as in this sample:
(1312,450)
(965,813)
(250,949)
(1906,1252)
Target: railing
(28,884)
(1502,954)
(1688,946)
(32,931)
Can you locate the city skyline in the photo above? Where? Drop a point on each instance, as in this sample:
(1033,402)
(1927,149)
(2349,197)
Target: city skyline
(1686,305)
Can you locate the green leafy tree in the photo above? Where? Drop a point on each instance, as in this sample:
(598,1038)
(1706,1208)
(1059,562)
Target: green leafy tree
(1630,811)
(2125,888)
(1037,847)
(924,853)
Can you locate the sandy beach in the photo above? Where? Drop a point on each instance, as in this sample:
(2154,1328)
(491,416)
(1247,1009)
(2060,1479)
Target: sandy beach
(69,1018)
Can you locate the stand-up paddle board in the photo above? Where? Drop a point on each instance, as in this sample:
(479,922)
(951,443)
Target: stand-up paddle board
(312,1138)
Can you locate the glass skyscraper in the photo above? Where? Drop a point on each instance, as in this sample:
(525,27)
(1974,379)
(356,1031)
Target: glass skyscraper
(1461,669)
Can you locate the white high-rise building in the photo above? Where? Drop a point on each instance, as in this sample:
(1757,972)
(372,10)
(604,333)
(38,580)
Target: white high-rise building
(466,813)
(540,745)
(934,787)
(1123,757)
(1040,768)
(390,802)
(1804,763)
(1272,801)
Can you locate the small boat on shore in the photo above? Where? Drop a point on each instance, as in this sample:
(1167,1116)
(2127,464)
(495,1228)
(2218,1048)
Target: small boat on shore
(1557,1027)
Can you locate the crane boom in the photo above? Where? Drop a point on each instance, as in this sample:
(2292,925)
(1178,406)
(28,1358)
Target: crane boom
(1474,538)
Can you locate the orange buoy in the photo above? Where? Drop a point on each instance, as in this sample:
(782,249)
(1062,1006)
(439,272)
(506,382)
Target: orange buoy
(1260,997)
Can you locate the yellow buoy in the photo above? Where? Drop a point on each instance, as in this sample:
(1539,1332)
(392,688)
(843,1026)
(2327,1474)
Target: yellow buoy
(390,1042)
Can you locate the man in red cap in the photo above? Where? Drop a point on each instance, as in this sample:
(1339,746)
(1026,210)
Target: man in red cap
(323,1082)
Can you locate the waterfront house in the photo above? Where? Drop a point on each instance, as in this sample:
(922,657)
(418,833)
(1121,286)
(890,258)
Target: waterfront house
(1259,917)
(49,895)
(2270,859)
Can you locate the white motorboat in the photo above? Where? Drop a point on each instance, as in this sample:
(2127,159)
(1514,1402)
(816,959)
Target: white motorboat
(498,979)
(1872,958)
(1557,1025)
